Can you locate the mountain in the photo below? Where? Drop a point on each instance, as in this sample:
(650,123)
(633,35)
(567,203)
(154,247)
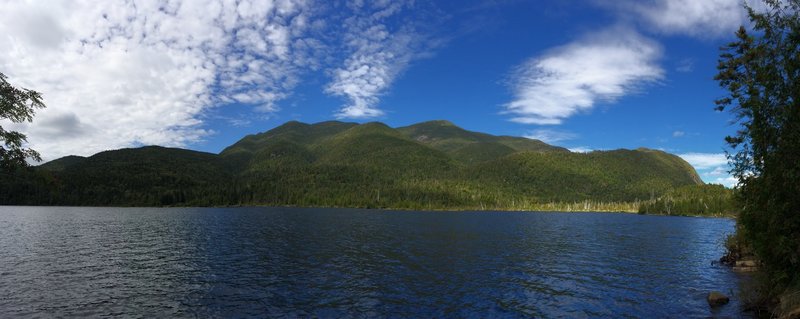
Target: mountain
(429,165)
(145,176)
(62,163)
(471,147)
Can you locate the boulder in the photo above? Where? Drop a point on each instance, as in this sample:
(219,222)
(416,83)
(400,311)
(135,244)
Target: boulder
(746,263)
(745,269)
(716,298)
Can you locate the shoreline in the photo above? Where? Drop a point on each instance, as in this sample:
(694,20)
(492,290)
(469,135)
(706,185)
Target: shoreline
(405,209)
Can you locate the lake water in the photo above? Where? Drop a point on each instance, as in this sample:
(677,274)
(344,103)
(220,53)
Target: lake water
(290,262)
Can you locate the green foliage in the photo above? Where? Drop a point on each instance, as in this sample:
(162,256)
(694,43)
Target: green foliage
(17,105)
(460,143)
(620,175)
(693,200)
(371,165)
(761,72)
(62,163)
(27,186)
(147,176)
(478,152)
(737,247)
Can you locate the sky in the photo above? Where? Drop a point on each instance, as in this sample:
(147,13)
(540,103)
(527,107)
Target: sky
(201,74)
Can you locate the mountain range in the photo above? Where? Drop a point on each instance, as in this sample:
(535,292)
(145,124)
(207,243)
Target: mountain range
(429,165)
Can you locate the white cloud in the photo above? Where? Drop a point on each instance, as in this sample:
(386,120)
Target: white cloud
(603,66)
(695,17)
(551,136)
(378,54)
(678,134)
(580,149)
(728,181)
(705,160)
(718,171)
(699,18)
(719,175)
(121,73)
(712,167)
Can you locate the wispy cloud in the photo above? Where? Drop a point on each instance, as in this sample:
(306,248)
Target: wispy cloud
(602,66)
(119,73)
(551,136)
(379,51)
(685,66)
(678,134)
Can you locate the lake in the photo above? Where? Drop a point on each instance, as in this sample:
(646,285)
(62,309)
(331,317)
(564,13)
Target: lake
(294,262)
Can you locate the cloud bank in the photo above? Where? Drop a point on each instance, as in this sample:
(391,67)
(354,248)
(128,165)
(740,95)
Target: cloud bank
(126,73)
(712,167)
(705,160)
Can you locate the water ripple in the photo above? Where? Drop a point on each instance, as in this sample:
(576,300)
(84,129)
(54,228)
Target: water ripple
(277,262)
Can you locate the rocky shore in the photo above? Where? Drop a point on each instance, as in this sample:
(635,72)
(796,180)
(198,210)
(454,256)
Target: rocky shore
(786,306)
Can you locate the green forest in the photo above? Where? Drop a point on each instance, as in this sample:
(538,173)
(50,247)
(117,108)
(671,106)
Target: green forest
(691,200)
(431,165)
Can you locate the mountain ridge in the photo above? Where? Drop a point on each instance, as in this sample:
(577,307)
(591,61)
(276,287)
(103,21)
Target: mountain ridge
(433,164)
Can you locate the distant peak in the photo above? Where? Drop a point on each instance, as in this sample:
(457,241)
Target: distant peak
(375,123)
(440,122)
(332,122)
(290,125)
(649,150)
(294,122)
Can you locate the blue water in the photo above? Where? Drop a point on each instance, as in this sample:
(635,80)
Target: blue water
(289,262)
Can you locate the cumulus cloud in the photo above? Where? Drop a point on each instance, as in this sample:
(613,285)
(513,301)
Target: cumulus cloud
(581,149)
(551,136)
(697,18)
(122,73)
(718,171)
(728,181)
(59,125)
(712,167)
(379,51)
(602,66)
(706,18)
(705,160)
(678,134)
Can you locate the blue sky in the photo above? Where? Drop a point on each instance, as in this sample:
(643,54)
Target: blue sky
(587,75)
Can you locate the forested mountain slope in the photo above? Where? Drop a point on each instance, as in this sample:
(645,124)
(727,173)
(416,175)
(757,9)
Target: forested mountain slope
(427,165)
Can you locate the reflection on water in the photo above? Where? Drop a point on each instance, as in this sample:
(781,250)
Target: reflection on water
(238,262)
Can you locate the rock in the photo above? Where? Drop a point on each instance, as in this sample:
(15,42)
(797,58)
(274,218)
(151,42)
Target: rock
(716,298)
(794,314)
(746,263)
(745,269)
